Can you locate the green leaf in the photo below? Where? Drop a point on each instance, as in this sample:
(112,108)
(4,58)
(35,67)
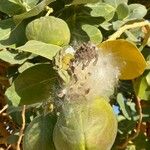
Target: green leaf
(33,12)
(93,33)
(122,11)
(11,7)
(11,35)
(106,25)
(29,4)
(25,66)
(78,35)
(115,3)
(34,85)
(117,24)
(39,133)
(131,36)
(13,57)
(77,2)
(123,106)
(148,79)
(101,10)
(137,11)
(40,48)
(135,34)
(141,88)
(85,28)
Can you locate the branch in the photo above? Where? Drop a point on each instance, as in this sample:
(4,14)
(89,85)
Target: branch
(146,36)
(4,108)
(9,146)
(126,27)
(22,128)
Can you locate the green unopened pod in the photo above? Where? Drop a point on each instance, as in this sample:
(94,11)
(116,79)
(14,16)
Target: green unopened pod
(84,125)
(50,30)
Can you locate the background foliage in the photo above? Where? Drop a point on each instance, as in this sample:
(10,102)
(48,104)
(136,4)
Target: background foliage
(27,75)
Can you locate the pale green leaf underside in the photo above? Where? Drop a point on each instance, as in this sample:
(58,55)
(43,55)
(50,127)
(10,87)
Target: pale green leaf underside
(39,48)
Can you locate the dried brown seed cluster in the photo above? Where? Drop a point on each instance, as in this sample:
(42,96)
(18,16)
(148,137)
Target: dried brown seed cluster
(86,53)
(93,73)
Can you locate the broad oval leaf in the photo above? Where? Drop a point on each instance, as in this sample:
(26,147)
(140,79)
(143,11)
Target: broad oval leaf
(93,33)
(137,11)
(39,133)
(141,87)
(85,125)
(33,12)
(123,107)
(36,84)
(11,7)
(102,10)
(40,48)
(122,11)
(127,56)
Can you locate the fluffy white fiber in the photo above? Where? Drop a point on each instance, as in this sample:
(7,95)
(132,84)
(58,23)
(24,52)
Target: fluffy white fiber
(95,79)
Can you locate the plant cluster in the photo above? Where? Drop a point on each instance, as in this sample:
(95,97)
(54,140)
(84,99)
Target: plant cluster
(74,75)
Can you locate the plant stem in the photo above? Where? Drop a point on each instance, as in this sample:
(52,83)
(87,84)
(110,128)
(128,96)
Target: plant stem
(126,27)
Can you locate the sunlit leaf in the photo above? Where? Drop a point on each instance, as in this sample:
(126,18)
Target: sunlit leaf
(115,3)
(141,88)
(40,48)
(29,4)
(137,11)
(13,57)
(33,12)
(102,10)
(148,79)
(123,106)
(93,32)
(117,24)
(126,56)
(122,11)
(131,36)
(34,85)
(106,26)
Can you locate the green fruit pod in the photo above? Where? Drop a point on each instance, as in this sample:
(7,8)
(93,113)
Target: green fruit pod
(50,30)
(85,126)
